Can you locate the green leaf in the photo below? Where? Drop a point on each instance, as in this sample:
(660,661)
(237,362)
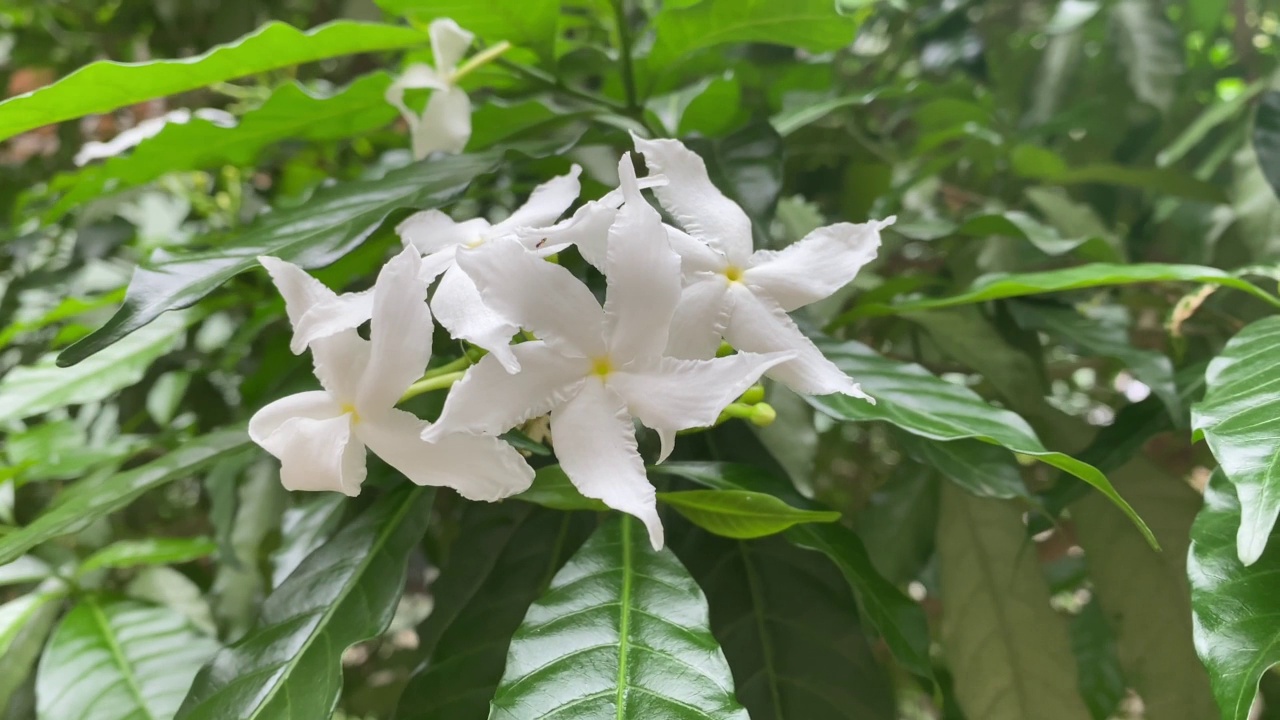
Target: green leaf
(19,612)
(290,666)
(810,24)
(622,632)
(1006,647)
(118,659)
(982,469)
(103,86)
(150,551)
(1219,112)
(552,488)
(502,561)
(34,389)
(26,569)
(25,623)
(291,113)
(915,400)
(303,529)
(789,628)
(1164,180)
(1240,419)
(1234,606)
(1150,50)
(88,500)
(527,23)
(741,514)
(61,449)
(1266,138)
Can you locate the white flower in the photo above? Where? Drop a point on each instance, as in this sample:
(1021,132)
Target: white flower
(456,303)
(742,296)
(595,369)
(320,436)
(445,123)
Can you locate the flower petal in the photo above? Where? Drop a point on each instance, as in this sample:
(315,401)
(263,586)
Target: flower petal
(431,231)
(435,264)
(459,307)
(757,324)
(300,291)
(340,361)
(540,297)
(399,333)
(445,124)
(644,276)
(695,255)
(314,404)
(672,395)
(330,317)
(700,208)
(318,454)
(545,205)
(587,229)
(488,400)
(478,467)
(449,43)
(816,266)
(700,318)
(595,442)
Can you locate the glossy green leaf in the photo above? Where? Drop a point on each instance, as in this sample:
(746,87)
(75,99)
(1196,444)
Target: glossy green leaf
(1006,647)
(1234,606)
(88,500)
(741,514)
(919,402)
(1149,49)
(982,469)
(502,561)
(26,569)
(34,389)
(527,23)
(621,632)
(1240,419)
(290,666)
(106,85)
(789,627)
(292,112)
(303,529)
(19,612)
(552,488)
(1266,138)
(150,551)
(25,623)
(119,659)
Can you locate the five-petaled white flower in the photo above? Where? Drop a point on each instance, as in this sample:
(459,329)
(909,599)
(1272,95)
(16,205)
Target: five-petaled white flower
(742,296)
(445,122)
(595,369)
(320,436)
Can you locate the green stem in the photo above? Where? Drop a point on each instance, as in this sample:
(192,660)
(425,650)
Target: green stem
(481,58)
(624,49)
(461,363)
(553,83)
(425,385)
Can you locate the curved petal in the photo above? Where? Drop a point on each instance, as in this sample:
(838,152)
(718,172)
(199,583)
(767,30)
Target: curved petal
(414,77)
(644,276)
(545,205)
(700,318)
(587,229)
(816,266)
(462,312)
(545,299)
(673,395)
(300,291)
(445,124)
(695,255)
(340,361)
(432,231)
(595,442)
(488,400)
(758,325)
(449,43)
(314,404)
(399,333)
(700,208)
(478,467)
(330,317)
(318,454)
(435,264)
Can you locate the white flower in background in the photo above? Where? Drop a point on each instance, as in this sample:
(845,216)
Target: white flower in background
(456,303)
(595,369)
(744,296)
(320,436)
(445,122)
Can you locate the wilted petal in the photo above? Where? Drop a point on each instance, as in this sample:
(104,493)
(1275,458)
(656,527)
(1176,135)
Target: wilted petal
(445,124)
(545,205)
(478,467)
(700,208)
(449,43)
(540,297)
(399,333)
(700,318)
(330,317)
(758,325)
(300,291)
(432,231)
(459,307)
(318,454)
(595,442)
(315,404)
(816,266)
(489,400)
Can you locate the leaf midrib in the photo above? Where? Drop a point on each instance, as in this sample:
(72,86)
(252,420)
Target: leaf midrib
(117,654)
(624,622)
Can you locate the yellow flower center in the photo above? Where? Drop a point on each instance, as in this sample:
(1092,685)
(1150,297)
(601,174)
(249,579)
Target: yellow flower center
(601,366)
(349,409)
(473,243)
(733,273)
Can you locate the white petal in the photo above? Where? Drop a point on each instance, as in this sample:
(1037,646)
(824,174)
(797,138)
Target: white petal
(700,208)
(459,307)
(431,231)
(330,317)
(695,255)
(435,264)
(488,400)
(315,404)
(700,318)
(318,454)
(644,276)
(758,325)
(545,205)
(816,266)
(478,467)
(672,395)
(449,43)
(340,361)
(545,299)
(399,333)
(445,124)
(595,442)
(415,77)
(587,229)
(300,291)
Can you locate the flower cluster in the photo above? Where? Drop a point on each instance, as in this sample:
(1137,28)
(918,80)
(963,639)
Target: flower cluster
(648,354)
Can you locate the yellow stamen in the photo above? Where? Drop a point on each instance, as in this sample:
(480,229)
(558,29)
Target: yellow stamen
(601,366)
(349,409)
(734,274)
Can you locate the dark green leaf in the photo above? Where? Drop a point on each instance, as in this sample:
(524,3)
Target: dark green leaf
(88,500)
(527,23)
(290,666)
(622,632)
(1240,419)
(1149,49)
(151,551)
(1266,138)
(106,85)
(1163,180)
(552,488)
(980,468)
(1219,112)
(119,659)
(303,529)
(741,514)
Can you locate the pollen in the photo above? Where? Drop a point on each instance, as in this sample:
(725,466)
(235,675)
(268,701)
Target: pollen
(474,242)
(601,366)
(733,273)
(349,409)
